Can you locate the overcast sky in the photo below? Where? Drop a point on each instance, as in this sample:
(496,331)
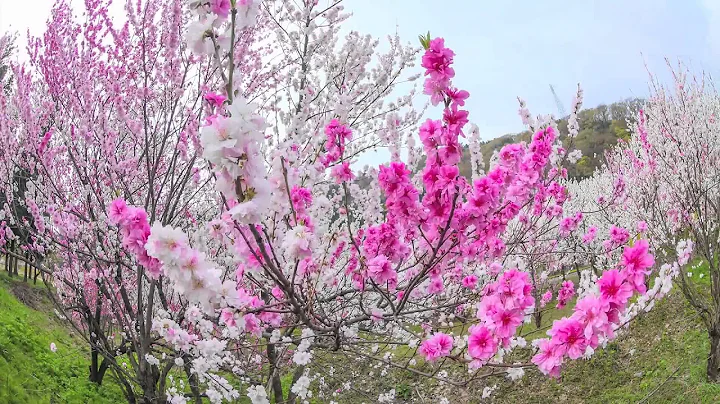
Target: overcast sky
(516,48)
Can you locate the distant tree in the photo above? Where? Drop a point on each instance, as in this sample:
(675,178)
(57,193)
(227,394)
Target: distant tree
(602,126)
(7,46)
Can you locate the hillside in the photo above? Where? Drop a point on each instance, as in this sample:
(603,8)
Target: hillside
(600,128)
(29,371)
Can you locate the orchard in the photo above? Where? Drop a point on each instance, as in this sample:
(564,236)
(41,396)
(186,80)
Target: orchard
(188,186)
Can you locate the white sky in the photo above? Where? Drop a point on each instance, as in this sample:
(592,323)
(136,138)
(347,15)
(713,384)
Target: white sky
(22,16)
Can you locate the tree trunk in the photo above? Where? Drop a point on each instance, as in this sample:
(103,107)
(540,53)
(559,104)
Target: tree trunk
(37,261)
(538,318)
(127,390)
(15,265)
(104,365)
(276,383)
(148,378)
(713,363)
(150,395)
(97,367)
(193,382)
(10,258)
(25,266)
(94,366)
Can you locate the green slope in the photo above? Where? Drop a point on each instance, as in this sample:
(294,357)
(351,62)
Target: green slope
(29,371)
(661,359)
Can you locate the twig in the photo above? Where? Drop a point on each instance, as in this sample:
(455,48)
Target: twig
(644,400)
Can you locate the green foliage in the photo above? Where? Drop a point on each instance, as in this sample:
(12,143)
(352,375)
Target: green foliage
(29,371)
(600,129)
(425,40)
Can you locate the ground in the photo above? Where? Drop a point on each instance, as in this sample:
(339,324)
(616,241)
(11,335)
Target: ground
(29,371)
(661,359)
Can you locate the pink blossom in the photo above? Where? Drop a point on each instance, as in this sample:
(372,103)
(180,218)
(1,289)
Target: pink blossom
(228,318)
(512,284)
(569,336)
(252,324)
(278,293)
(220,7)
(506,322)
(592,313)
(117,211)
(567,291)
(470,281)
(458,96)
(342,173)
(642,227)
(618,235)
(437,60)
(481,345)
(437,346)
(549,358)
(215,99)
(337,135)
(546,297)
(613,287)
(635,261)
(380,270)
(301,198)
(44,142)
(590,235)
(495,268)
(436,285)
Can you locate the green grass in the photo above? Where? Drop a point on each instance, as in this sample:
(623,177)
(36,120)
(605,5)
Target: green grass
(29,371)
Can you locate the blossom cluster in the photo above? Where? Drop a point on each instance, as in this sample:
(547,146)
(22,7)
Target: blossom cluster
(135,231)
(595,316)
(232,145)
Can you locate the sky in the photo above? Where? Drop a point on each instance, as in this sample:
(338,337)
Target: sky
(506,49)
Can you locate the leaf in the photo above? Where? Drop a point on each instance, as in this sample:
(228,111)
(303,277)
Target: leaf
(425,40)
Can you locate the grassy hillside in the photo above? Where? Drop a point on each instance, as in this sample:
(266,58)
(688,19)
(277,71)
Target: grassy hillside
(29,371)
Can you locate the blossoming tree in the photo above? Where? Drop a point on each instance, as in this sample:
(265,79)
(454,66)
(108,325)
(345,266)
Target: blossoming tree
(104,111)
(213,237)
(320,268)
(670,171)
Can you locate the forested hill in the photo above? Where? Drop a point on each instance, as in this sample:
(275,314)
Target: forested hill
(600,128)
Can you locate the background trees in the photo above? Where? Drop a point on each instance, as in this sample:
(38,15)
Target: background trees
(670,173)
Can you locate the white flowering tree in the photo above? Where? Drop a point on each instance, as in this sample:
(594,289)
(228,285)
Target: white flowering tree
(670,176)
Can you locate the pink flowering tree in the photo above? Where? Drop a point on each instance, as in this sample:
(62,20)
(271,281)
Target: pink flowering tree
(106,110)
(670,170)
